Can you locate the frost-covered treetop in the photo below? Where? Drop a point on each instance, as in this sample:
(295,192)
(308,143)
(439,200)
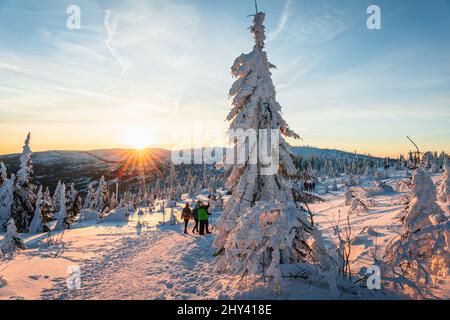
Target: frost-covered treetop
(423,188)
(254,102)
(423,202)
(26,169)
(258,29)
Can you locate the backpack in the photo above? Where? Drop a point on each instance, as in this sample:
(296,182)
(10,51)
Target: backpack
(186,213)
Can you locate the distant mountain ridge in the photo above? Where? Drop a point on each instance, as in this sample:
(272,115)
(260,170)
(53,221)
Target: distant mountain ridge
(82,167)
(308,151)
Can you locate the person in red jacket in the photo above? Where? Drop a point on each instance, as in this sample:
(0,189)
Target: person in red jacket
(186,215)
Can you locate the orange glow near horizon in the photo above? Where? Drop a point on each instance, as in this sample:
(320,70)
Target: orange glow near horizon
(138,137)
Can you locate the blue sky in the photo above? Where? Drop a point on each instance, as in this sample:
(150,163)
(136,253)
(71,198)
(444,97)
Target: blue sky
(166,68)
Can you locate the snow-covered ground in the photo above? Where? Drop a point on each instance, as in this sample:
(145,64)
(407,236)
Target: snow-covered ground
(150,260)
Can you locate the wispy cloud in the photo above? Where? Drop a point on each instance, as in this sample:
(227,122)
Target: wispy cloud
(282,23)
(110,22)
(11,67)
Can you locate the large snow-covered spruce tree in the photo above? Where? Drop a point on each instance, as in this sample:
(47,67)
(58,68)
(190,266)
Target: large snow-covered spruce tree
(262,226)
(24,190)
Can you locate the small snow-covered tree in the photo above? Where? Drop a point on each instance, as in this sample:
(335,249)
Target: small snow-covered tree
(61,214)
(334,186)
(422,204)
(89,201)
(36,225)
(47,209)
(24,190)
(12,241)
(6,196)
(56,199)
(3,174)
(348,196)
(73,204)
(423,249)
(102,196)
(113,203)
(261,224)
(444,187)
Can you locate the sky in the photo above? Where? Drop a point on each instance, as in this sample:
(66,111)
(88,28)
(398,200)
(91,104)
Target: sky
(151,73)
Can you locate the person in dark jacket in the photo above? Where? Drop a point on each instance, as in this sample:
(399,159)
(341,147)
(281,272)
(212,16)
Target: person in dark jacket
(206,205)
(186,215)
(195,216)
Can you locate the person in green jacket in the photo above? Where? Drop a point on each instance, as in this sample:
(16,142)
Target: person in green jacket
(202,218)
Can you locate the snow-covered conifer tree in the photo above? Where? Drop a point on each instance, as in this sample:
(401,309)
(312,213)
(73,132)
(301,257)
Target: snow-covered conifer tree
(56,199)
(334,186)
(444,187)
(24,190)
(423,249)
(61,214)
(3,174)
(47,209)
(102,196)
(12,241)
(6,196)
(348,196)
(73,204)
(113,203)
(36,225)
(422,204)
(261,224)
(89,201)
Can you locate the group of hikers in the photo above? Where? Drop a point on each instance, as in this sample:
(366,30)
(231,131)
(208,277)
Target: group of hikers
(200,214)
(309,186)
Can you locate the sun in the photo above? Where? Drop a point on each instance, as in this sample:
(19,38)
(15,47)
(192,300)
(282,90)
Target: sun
(138,137)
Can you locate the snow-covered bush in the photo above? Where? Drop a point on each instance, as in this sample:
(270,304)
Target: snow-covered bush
(348,196)
(423,249)
(402,186)
(379,187)
(422,204)
(12,241)
(117,215)
(358,207)
(89,215)
(173,217)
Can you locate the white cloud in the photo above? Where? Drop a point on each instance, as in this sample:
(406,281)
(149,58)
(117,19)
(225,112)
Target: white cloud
(282,23)
(11,67)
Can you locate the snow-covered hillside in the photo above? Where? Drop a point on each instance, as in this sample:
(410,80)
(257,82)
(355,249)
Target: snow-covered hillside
(150,260)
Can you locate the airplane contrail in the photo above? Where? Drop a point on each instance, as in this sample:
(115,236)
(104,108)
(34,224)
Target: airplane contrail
(110,22)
